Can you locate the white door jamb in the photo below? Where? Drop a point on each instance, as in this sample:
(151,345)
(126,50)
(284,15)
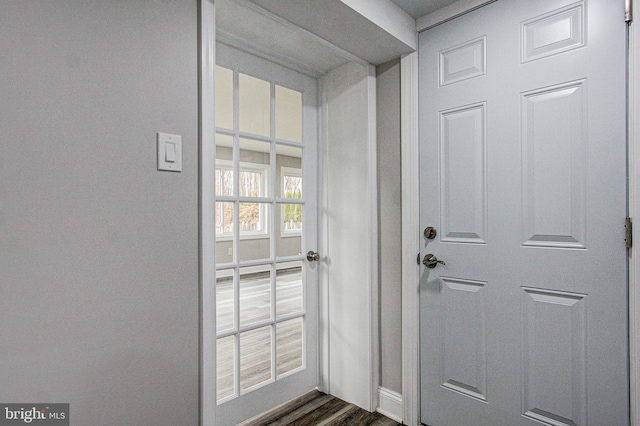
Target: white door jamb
(410,239)
(634,213)
(206,159)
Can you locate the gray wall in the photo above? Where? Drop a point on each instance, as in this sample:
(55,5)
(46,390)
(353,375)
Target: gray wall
(389,203)
(98,250)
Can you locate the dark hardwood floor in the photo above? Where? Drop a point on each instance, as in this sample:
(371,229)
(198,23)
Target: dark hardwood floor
(318,409)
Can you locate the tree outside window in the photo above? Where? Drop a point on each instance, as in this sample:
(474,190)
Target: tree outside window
(292,213)
(252,183)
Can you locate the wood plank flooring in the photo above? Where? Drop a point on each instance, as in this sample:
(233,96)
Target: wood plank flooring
(318,409)
(255,362)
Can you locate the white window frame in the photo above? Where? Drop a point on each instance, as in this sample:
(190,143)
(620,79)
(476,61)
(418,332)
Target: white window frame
(264,170)
(294,172)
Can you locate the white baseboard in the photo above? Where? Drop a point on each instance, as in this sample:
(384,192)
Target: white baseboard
(390,404)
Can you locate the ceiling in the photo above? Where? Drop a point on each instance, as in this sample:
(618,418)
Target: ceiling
(420,8)
(312,36)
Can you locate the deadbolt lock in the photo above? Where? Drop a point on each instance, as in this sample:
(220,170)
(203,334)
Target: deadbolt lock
(430,232)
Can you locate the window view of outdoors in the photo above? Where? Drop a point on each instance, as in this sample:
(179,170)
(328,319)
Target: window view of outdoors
(292,216)
(251,215)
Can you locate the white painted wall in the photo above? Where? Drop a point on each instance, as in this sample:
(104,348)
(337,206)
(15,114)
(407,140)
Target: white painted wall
(99,251)
(350,217)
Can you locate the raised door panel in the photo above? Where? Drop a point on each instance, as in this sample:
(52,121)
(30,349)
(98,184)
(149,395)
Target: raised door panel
(464,355)
(554,147)
(554,342)
(463,61)
(554,32)
(463,174)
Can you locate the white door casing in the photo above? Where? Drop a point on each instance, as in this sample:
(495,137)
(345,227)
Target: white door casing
(523,145)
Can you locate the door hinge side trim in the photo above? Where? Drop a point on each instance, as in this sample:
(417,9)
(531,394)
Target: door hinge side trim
(628,232)
(628,11)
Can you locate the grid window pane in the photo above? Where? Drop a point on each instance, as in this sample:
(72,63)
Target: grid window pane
(224,218)
(289,291)
(224,300)
(255,296)
(224,165)
(255,357)
(226,356)
(255,105)
(289,168)
(250,218)
(289,345)
(288,114)
(255,161)
(224,97)
(290,220)
(292,186)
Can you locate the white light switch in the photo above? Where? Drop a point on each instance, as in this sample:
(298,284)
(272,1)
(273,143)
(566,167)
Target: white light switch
(169,152)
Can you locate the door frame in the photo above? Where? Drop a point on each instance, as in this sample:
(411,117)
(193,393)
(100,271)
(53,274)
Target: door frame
(634,212)
(206,207)
(411,226)
(410,179)
(206,210)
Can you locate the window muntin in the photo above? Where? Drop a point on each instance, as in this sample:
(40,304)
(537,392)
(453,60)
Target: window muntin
(254,148)
(253,181)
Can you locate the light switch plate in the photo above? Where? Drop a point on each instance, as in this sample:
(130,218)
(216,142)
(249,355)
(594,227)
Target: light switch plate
(169,152)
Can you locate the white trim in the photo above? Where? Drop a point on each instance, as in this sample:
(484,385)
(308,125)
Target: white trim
(207,243)
(634,213)
(388,16)
(323,240)
(449,12)
(280,59)
(244,45)
(410,239)
(372,250)
(390,404)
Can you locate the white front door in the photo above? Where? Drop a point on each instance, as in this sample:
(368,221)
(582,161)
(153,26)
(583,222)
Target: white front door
(266,222)
(523,178)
